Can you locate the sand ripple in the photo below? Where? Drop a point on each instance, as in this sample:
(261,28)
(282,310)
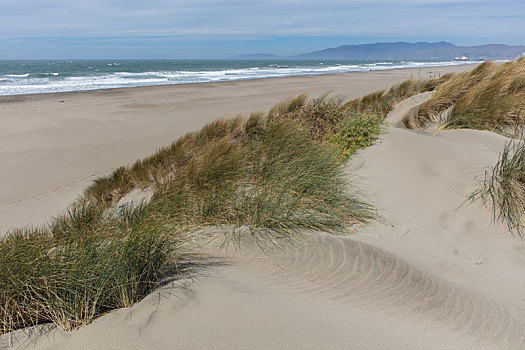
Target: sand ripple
(349,272)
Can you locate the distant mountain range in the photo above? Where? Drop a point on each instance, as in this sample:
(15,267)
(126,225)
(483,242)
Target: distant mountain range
(406,51)
(258,56)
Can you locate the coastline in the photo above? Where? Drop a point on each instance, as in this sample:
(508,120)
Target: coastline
(432,273)
(54,144)
(34,77)
(426,71)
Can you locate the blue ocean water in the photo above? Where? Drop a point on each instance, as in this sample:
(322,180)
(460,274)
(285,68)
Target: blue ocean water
(28,77)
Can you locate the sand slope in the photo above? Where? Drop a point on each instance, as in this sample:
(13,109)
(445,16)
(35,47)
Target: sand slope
(433,275)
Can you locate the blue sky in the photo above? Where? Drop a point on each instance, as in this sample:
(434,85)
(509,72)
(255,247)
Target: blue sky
(47,29)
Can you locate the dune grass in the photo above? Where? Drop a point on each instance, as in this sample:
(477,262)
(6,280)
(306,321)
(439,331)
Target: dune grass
(350,125)
(320,118)
(504,188)
(233,172)
(383,101)
(490,97)
(278,178)
(71,278)
(279,172)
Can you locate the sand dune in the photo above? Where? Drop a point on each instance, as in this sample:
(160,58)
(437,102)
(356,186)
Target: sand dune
(433,274)
(326,292)
(350,272)
(52,146)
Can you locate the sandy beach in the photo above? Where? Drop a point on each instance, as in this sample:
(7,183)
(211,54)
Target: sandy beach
(54,145)
(434,273)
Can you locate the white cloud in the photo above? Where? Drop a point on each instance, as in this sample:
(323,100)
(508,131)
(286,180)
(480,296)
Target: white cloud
(243,18)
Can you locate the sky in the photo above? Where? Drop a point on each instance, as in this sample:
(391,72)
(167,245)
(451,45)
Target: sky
(98,29)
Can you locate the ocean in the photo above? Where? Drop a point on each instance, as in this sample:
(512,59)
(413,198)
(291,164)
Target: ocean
(29,77)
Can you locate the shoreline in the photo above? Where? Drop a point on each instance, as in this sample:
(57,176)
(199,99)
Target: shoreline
(54,145)
(131,88)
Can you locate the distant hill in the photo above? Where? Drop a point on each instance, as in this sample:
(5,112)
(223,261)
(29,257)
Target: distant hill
(257,56)
(441,50)
(416,51)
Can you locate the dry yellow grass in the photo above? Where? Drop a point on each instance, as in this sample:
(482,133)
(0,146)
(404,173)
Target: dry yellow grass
(381,102)
(490,97)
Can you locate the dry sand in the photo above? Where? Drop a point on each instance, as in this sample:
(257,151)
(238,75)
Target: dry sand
(433,275)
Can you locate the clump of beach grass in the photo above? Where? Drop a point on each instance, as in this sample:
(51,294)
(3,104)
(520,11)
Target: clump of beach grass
(383,101)
(278,172)
(273,177)
(503,188)
(351,125)
(318,117)
(490,97)
(71,278)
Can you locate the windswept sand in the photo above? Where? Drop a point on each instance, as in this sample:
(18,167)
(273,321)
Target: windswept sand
(434,275)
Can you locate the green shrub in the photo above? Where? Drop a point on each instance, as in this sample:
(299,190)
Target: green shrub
(356,132)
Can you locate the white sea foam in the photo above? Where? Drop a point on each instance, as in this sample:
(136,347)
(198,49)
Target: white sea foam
(54,82)
(17,75)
